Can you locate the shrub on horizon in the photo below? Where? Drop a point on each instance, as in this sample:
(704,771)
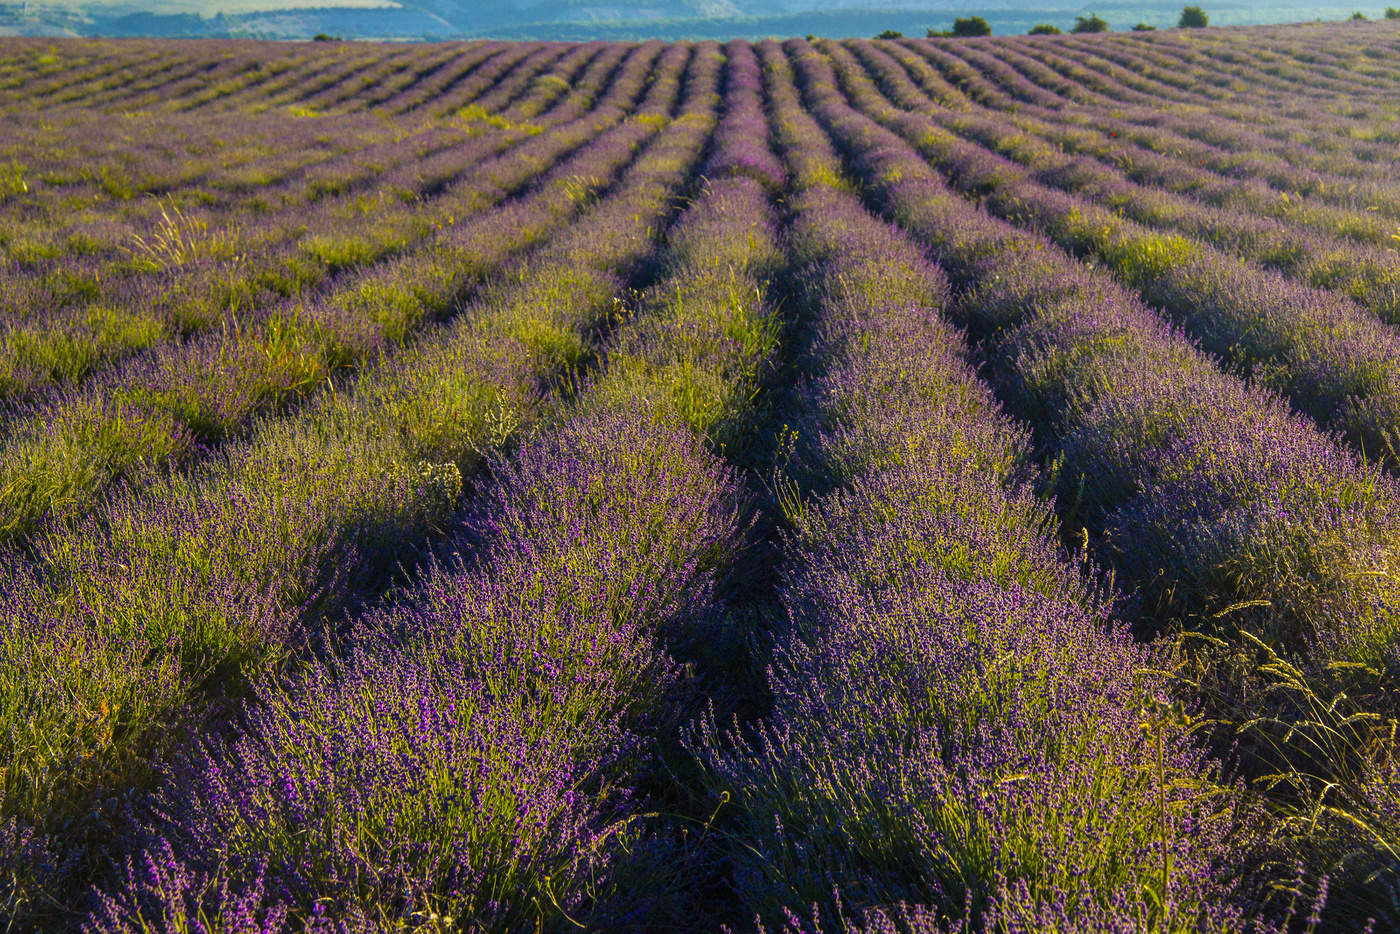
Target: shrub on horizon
(1143,27)
(1045,29)
(1193,17)
(971,26)
(1091,23)
(890,34)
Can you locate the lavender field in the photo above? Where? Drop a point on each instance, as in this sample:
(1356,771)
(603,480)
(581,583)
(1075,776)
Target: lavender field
(843,486)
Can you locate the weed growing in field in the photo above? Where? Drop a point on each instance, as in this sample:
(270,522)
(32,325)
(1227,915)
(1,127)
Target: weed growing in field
(1323,757)
(476,115)
(12,181)
(175,239)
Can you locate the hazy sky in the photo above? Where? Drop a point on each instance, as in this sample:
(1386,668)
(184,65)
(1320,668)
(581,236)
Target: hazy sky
(206,8)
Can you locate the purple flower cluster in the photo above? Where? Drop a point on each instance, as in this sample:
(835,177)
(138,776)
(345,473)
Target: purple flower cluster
(740,142)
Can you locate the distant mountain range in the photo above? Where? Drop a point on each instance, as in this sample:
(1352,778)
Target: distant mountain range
(592,19)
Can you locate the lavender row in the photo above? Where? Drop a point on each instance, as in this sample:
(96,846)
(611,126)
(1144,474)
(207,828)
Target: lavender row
(542,658)
(1368,275)
(1204,74)
(879,786)
(1329,357)
(168,406)
(1245,155)
(191,586)
(1221,509)
(1308,137)
(174,235)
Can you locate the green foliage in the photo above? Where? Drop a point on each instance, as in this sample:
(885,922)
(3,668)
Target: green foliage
(970,26)
(178,238)
(475,113)
(117,186)
(963,28)
(1193,17)
(1392,13)
(1045,29)
(1091,23)
(890,34)
(12,180)
(31,356)
(1358,15)
(1325,755)
(339,252)
(1143,27)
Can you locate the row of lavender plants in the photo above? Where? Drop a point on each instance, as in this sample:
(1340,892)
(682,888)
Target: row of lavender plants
(499,712)
(142,619)
(958,735)
(1219,509)
(168,405)
(1152,158)
(1210,138)
(1328,356)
